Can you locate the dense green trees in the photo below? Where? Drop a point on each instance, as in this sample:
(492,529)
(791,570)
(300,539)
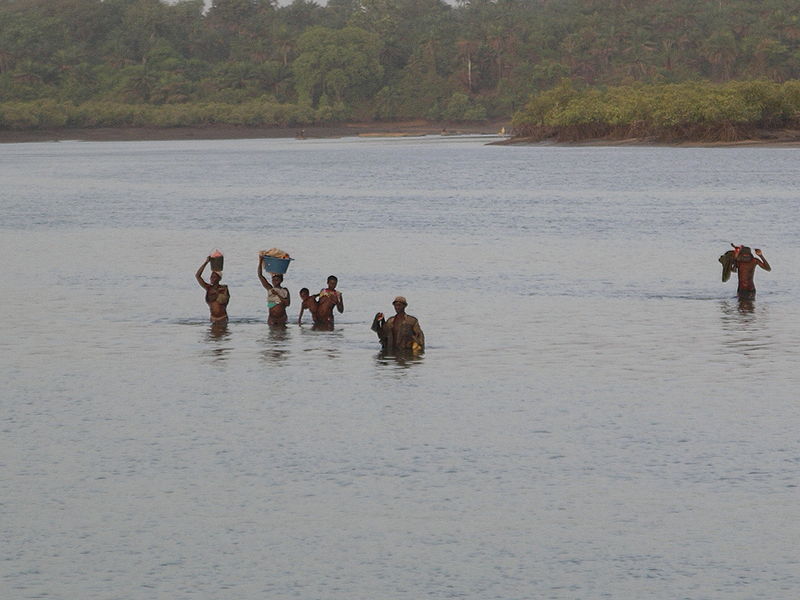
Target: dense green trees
(698,111)
(364,59)
(337,66)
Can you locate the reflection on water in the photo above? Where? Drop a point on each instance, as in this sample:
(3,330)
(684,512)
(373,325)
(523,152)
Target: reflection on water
(591,386)
(745,326)
(276,343)
(325,340)
(746,306)
(216,334)
(401,360)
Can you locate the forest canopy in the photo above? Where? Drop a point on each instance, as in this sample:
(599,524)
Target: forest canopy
(84,63)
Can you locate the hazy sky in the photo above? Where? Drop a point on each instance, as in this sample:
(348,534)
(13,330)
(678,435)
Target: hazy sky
(281,2)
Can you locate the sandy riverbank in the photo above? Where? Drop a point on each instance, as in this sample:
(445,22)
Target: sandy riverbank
(221,132)
(767,138)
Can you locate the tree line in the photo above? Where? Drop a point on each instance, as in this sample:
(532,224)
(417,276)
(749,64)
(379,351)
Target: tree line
(128,62)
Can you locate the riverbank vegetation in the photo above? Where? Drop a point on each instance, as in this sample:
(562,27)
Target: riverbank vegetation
(112,63)
(705,112)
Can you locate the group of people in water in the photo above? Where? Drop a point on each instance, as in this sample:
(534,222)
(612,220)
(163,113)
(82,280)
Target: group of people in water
(402,332)
(399,333)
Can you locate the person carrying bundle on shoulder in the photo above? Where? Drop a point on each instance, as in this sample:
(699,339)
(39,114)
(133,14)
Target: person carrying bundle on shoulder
(328,299)
(741,261)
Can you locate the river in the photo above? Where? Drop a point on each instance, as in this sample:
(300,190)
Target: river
(595,415)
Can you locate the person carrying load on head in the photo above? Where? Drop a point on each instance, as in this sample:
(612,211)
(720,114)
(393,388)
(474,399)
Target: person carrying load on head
(400,333)
(278,299)
(217,296)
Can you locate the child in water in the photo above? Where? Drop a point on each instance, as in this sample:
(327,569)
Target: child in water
(307,302)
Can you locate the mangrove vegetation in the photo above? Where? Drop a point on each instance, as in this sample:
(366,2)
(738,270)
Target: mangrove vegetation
(705,112)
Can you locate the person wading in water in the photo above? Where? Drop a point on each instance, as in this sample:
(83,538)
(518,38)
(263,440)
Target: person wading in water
(278,299)
(217,296)
(400,333)
(746,265)
(307,302)
(328,299)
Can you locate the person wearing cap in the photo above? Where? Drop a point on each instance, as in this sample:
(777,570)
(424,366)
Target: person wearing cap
(746,265)
(217,296)
(400,333)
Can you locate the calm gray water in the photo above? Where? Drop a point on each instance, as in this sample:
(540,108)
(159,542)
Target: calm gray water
(595,416)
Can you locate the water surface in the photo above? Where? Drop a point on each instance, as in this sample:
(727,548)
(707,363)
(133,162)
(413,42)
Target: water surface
(596,416)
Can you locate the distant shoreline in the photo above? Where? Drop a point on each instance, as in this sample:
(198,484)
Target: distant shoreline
(223,132)
(784,138)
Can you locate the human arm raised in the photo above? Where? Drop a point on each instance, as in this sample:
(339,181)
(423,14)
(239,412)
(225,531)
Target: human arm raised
(762,261)
(339,302)
(199,274)
(264,282)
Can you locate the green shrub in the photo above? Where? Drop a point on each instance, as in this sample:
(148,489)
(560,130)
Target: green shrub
(699,109)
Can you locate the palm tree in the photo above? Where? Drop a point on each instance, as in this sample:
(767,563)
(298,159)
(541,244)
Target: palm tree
(720,51)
